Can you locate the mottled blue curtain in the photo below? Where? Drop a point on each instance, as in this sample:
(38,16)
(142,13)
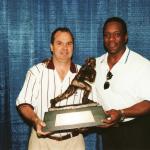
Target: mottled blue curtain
(25,28)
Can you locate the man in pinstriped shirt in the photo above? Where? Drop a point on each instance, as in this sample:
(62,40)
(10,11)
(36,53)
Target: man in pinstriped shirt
(45,81)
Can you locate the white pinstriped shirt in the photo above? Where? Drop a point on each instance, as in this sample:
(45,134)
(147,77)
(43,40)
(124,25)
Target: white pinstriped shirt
(43,83)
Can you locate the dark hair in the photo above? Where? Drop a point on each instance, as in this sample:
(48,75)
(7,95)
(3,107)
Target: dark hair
(116,19)
(62,29)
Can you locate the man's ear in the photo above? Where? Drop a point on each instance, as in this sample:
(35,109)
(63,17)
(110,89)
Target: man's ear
(51,47)
(126,38)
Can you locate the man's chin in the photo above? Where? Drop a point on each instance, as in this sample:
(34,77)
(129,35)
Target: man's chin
(112,51)
(64,60)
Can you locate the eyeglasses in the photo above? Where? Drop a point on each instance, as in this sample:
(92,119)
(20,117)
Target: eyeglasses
(108,77)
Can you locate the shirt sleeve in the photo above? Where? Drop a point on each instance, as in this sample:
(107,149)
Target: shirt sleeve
(29,91)
(143,83)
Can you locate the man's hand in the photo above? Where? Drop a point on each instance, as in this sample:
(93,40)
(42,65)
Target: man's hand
(39,124)
(113,118)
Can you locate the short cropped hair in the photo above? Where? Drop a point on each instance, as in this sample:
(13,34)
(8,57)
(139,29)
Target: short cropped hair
(116,19)
(62,29)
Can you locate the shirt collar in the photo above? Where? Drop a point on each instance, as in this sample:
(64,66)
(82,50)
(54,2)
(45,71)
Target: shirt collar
(122,60)
(125,56)
(50,65)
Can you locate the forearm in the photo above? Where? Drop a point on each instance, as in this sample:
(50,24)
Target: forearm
(28,113)
(138,109)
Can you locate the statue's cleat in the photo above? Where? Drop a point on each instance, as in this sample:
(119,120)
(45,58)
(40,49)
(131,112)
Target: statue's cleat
(53,103)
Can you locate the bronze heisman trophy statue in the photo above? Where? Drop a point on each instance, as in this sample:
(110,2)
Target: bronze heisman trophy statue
(86,73)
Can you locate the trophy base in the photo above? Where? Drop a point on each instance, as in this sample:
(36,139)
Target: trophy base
(73,117)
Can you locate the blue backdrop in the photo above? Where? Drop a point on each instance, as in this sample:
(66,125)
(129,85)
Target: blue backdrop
(25,28)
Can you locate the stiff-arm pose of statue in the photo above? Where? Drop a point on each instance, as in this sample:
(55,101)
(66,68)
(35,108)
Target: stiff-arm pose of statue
(86,73)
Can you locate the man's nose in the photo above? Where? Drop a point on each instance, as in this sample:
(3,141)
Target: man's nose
(65,46)
(112,37)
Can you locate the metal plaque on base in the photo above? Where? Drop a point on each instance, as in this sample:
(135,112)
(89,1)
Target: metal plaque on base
(73,117)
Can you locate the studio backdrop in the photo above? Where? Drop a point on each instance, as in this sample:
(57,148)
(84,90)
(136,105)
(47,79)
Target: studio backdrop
(25,29)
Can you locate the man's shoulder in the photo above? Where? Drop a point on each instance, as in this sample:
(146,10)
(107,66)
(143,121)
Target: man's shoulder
(138,62)
(138,58)
(37,68)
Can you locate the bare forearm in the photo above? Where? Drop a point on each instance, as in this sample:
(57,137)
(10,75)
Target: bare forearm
(138,109)
(28,113)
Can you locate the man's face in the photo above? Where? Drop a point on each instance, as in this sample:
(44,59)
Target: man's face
(114,38)
(62,47)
